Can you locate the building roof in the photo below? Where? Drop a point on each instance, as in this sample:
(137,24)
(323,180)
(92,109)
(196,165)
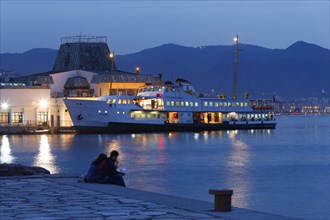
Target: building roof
(77,82)
(35,79)
(105,78)
(85,53)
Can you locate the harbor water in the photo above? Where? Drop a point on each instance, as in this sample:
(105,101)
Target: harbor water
(282,171)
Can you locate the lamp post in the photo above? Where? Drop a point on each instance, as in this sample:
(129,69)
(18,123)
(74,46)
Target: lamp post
(235,67)
(112,58)
(137,70)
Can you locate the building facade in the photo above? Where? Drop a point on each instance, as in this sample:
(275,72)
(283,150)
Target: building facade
(84,68)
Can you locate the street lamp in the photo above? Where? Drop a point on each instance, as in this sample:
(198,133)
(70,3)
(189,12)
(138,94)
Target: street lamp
(235,67)
(137,70)
(112,58)
(4,105)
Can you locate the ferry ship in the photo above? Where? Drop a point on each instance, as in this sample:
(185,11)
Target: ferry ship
(169,107)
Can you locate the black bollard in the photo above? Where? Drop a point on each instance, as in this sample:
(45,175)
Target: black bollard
(222,199)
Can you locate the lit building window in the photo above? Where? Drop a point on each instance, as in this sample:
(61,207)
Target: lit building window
(42,118)
(205,104)
(17,117)
(4,117)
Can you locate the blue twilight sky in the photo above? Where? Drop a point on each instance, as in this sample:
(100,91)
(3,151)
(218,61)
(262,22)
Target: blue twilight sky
(131,26)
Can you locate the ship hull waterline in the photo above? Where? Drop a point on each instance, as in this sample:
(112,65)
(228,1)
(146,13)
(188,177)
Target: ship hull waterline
(118,127)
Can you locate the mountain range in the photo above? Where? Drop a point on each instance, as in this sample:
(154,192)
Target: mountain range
(301,70)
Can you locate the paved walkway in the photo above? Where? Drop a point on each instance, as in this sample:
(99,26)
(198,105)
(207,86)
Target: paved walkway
(50,198)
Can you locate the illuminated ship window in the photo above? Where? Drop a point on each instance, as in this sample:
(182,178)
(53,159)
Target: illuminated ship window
(196,104)
(210,104)
(205,104)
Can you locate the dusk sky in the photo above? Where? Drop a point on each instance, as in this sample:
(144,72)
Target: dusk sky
(131,26)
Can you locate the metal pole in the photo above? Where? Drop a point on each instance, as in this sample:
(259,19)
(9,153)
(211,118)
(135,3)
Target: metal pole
(112,58)
(235,68)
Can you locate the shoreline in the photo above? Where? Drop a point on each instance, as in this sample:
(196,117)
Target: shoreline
(71,199)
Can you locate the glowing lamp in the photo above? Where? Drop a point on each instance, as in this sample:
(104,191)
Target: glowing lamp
(4,105)
(43,103)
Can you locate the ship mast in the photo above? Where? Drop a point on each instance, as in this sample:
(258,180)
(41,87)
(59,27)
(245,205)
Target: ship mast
(235,67)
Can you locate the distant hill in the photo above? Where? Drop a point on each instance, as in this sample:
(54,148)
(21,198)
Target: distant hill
(301,70)
(30,62)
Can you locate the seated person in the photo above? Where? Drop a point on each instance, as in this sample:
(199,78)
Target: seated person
(94,172)
(111,174)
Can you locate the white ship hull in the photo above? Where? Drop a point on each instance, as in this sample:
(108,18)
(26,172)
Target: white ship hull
(120,114)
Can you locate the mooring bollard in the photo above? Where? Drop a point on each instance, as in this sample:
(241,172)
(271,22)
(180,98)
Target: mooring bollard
(222,199)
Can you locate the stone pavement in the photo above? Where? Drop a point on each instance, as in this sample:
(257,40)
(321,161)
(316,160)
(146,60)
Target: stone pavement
(54,198)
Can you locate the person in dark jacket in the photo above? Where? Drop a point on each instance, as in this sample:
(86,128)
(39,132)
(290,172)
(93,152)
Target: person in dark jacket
(115,177)
(95,170)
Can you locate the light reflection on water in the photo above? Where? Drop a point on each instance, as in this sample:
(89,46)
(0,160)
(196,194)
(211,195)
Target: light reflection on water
(45,158)
(5,151)
(239,163)
(269,170)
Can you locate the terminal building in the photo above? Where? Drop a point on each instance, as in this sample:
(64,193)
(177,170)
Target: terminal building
(84,67)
